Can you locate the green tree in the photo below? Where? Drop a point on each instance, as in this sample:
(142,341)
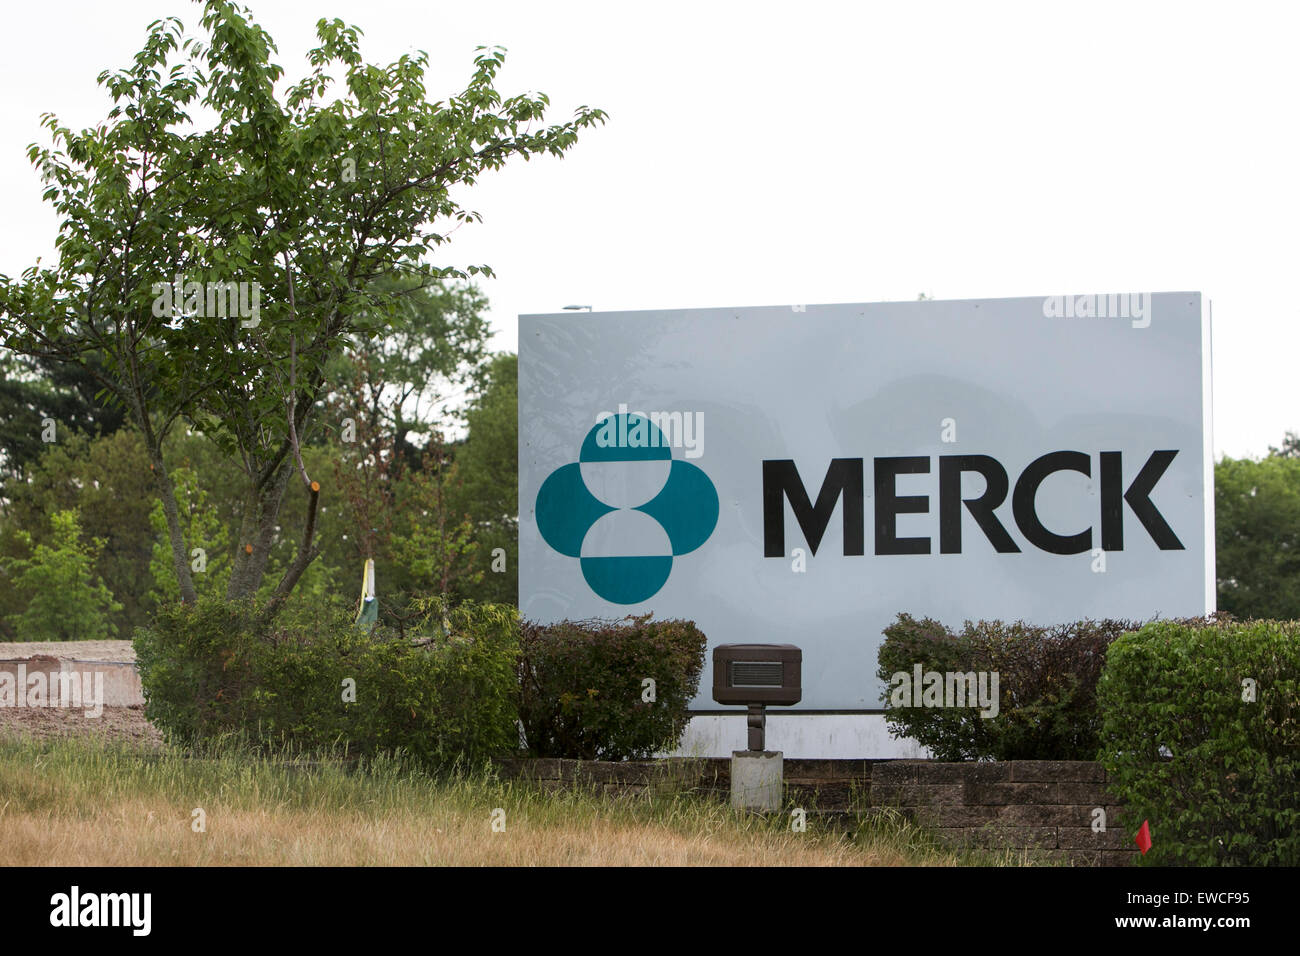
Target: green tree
(1257,532)
(66,600)
(300,200)
(1290,447)
(406,382)
(205,536)
(34,393)
(433,549)
(488,467)
(107,481)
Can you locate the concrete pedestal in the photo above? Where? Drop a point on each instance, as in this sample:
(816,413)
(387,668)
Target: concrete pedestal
(756,779)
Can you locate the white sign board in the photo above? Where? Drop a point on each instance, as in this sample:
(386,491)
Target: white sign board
(803,474)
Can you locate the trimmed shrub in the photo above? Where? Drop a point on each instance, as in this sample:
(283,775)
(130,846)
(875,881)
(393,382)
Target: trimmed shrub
(1215,772)
(194,663)
(951,734)
(580,685)
(1046,681)
(444,693)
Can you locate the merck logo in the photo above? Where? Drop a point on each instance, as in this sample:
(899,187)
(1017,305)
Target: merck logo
(626,508)
(844,481)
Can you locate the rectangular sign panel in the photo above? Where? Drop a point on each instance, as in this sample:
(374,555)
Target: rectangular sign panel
(802,474)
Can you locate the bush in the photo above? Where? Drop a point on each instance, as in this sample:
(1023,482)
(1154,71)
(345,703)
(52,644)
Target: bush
(444,693)
(1216,775)
(1047,680)
(195,666)
(581,686)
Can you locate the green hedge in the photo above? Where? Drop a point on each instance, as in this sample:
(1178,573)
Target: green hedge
(581,686)
(447,695)
(1216,776)
(1047,680)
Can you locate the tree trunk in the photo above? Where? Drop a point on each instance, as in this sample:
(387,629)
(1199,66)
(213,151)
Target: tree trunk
(257,534)
(180,556)
(307,553)
(153,440)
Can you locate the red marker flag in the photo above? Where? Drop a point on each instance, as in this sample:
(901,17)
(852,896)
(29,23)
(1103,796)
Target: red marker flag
(1143,838)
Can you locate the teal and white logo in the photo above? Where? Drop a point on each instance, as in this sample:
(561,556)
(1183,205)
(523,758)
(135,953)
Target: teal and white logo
(626,508)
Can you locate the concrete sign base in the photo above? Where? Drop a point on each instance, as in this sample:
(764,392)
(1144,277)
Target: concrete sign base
(756,779)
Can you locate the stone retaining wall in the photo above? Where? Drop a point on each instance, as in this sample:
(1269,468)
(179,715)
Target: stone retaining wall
(1044,807)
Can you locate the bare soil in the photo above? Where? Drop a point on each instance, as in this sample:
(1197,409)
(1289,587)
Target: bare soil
(116,724)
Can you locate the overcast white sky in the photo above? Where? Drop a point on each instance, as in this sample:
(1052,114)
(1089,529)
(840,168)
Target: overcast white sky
(811,152)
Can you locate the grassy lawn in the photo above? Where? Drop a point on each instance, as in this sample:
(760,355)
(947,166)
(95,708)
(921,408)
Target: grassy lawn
(76,802)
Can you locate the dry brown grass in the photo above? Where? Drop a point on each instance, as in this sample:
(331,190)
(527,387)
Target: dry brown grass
(79,803)
(140,832)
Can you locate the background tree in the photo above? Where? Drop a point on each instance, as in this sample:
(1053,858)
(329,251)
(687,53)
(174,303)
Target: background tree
(1257,531)
(488,467)
(367,467)
(310,201)
(398,513)
(1290,447)
(66,600)
(205,533)
(435,550)
(32,392)
(411,381)
(107,481)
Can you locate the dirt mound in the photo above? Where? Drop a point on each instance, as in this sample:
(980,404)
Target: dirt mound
(68,650)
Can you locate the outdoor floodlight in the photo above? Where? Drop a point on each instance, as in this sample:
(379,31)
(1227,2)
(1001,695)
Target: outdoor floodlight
(757,675)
